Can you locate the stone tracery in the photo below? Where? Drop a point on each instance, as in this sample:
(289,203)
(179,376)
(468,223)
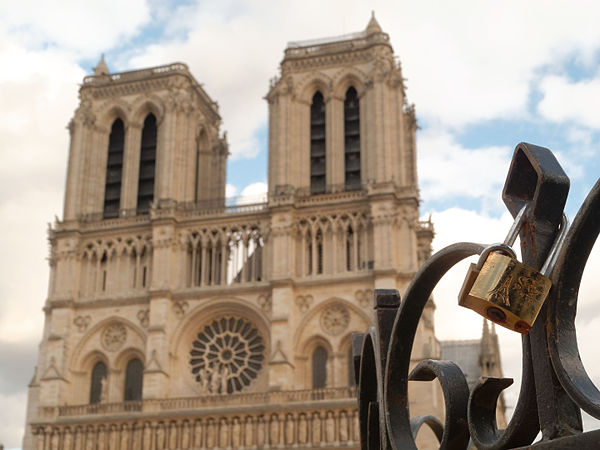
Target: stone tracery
(227,355)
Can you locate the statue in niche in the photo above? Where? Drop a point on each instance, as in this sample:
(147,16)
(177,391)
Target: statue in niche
(160,437)
(330,427)
(302,429)
(249,432)
(67,440)
(210,434)
(54,440)
(198,434)
(101,439)
(223,433)
(147,436)
(274,430)
(260,432)
(224,375)
(40,439)
(103,390)
(89,439)
(173,435)
(289,429)
(124,445)
(316,428)
(185,434)
(204,380)
(343,426)
(214,380)
(113,438)
(137,436)
(235,433)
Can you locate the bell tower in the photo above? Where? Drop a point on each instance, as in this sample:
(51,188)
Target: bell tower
(342,183)
(338,117)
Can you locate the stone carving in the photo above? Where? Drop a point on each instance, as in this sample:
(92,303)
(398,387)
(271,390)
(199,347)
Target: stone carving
(264,301)
(227,355)
(294,429)
(103,390)
(180,307)
(304,302)
(335,319)
(82,322)
(143,316)
(114,336)
(364,298)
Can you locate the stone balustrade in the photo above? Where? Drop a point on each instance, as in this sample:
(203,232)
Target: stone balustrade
(323,418)
(191,403)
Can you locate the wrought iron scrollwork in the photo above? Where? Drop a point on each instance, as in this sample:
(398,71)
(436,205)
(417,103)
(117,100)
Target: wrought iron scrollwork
(555,386)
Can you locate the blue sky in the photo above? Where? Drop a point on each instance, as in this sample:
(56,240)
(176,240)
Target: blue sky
(483,76)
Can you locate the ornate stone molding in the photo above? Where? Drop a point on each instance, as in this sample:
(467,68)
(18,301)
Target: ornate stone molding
(335,319)
(113,336)
(143,316)
(82,322)
(303,302)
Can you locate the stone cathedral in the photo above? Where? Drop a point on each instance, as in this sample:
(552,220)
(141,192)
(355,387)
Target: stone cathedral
(176,320)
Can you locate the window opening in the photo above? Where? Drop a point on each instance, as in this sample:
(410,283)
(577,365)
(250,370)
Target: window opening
(133,380)
(98,383)
(319,368)
(147,165)
(352,140)
(114,170)
(317,144)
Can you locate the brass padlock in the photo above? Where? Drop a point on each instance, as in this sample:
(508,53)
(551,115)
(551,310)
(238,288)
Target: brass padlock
(504,290)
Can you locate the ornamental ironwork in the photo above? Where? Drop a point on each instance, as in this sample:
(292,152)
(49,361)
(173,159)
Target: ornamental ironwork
(555,386)
(227,355)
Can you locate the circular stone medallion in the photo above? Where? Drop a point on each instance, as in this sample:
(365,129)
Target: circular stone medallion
(335,319)
(114,336)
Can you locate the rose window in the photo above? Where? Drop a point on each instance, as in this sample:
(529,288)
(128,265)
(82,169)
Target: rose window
(227,355)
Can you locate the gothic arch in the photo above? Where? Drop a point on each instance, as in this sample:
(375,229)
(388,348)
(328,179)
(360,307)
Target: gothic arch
(114,109)
(317,82)
(347,77)
(186,333)
(298,338)
(311,333)
(146,105)
(86,347)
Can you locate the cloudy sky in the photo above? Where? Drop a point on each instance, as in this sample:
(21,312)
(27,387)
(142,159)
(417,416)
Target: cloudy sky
(483,75)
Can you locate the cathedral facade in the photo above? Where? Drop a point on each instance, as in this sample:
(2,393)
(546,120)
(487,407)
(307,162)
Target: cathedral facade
(175,320)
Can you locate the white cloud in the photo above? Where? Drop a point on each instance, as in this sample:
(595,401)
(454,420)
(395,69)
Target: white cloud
(12,423)
(230,190)
(568,101)
(82,27)
(448,170)
(253,193)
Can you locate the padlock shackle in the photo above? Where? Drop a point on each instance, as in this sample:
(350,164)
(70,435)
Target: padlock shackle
(556,246)
(511,237)
(496,248)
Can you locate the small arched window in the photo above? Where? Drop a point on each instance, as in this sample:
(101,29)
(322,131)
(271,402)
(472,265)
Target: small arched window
(317,144)
(351,140)
(114,170)
(134,375)
(147,165)
(98,383)
(319,368)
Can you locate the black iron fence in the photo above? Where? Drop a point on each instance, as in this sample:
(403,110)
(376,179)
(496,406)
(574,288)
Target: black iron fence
(555,385)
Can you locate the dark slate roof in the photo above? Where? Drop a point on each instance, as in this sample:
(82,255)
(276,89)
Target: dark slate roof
(466,354)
